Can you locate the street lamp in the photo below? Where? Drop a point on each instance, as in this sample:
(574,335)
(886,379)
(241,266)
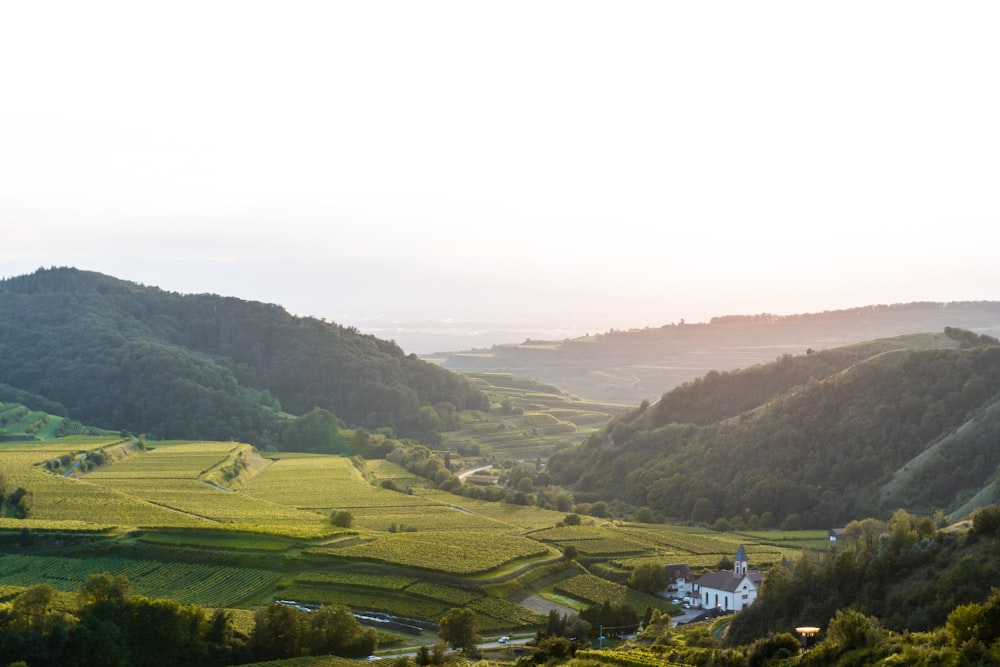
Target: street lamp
(807,632)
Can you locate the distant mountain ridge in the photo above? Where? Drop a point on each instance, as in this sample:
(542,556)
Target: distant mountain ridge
(116,354)
(629,366)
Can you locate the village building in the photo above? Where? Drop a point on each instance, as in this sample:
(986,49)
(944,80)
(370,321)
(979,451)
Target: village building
(680,581)
(729,590)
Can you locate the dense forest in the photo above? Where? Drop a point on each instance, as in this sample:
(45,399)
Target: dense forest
(809,440)
(115,354)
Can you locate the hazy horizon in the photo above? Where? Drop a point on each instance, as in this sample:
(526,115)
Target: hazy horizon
(525,167)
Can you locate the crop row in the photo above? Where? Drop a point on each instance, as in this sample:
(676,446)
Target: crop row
(212,539)
(507,612)
(389,582)
(453,596)
(308,661)
(428,517)
(199,499)
(346,588)
(593,589)
(383,469)
(398,603)
(575,533)
(182,461)
(691,542)
(522,517)
(454,552)
(8,593)
(633,658)
(606,547)
(187,583)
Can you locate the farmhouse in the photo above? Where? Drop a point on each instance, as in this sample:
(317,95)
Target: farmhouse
(729,591)
(680,581)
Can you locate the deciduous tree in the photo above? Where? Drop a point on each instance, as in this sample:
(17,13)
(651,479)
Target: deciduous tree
(648,578)
(458,628)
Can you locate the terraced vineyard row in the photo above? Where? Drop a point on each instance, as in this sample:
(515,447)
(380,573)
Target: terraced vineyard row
(429,517)
(214,539)
(462,553)
(214,585)
(508,613)
(309,661)
(592,589)
(688,540)
(392,602)
(633,658)
(387,582)
(418,600)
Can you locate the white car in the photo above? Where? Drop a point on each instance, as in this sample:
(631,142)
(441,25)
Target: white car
(503,640)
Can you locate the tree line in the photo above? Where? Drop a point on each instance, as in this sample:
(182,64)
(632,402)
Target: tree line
(105,625)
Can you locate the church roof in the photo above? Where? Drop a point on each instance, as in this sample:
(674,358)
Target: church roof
(723,580)
(741,554)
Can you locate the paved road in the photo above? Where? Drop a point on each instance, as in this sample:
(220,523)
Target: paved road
(687,616)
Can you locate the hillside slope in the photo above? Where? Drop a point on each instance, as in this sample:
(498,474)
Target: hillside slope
(817,439)
(118,355)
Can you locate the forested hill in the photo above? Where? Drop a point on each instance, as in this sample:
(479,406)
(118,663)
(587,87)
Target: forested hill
(120,355)
(813,440)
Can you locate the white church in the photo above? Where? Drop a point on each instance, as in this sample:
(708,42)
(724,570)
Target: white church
(729,591)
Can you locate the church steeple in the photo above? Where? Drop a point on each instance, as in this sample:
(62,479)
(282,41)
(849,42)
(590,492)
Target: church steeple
(741,564)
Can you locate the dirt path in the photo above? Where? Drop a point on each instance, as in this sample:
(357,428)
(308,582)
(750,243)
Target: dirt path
(465,473)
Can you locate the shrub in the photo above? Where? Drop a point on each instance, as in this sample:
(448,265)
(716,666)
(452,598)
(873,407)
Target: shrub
(986,520)
(768,648)
(341,518)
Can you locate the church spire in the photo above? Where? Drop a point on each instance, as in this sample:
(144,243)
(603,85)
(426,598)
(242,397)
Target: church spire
(741,564)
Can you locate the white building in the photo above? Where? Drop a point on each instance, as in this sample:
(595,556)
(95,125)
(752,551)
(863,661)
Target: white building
(729,591)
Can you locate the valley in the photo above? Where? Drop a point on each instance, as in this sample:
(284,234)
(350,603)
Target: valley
(271,478)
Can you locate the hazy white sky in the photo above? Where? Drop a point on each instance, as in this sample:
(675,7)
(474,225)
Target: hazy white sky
(629,163)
